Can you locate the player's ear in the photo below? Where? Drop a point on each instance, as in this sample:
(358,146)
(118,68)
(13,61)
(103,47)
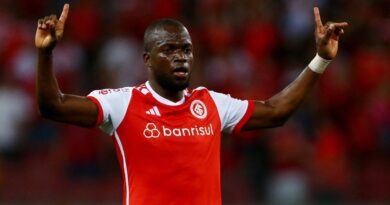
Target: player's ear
(146,57)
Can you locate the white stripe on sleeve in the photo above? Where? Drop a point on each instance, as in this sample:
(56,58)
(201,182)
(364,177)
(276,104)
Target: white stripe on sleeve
(230,110)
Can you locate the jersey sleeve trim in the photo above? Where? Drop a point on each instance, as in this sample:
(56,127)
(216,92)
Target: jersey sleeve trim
(245,118)
(99,119)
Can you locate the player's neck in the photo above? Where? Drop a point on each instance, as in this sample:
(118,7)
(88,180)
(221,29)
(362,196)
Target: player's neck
(173,96)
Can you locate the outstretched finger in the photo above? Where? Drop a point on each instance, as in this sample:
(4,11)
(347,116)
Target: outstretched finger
(64,13)
(317,17)
(340,25)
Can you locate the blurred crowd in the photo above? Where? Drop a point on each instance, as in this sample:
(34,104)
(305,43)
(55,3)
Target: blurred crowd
(334,150)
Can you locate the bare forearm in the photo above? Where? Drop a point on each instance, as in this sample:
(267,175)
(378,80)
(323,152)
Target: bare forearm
(54,105)
(48,93)
(288,100)
(276,110)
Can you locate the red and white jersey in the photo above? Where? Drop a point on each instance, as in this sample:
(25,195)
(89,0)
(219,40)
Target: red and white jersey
(169,152)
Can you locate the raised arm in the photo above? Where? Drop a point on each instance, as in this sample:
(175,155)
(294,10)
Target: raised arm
(52,103)
(277,109)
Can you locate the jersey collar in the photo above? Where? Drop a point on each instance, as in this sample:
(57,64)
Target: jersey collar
(162,99)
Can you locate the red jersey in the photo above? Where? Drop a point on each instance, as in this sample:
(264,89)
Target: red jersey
(169,152)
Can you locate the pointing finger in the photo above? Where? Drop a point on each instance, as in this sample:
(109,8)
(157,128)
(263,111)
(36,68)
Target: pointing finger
(64,13)
(340,25)
(317,17)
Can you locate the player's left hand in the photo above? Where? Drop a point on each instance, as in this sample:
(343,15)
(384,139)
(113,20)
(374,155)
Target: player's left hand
(327,37)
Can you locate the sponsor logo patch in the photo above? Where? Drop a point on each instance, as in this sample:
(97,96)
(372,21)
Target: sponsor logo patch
(151,131)
(154,131)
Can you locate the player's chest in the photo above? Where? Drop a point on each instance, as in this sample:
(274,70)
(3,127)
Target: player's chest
(196,121)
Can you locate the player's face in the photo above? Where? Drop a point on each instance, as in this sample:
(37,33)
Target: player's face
(170,59)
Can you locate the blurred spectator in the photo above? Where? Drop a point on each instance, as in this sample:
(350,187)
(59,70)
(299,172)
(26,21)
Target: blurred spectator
(15,109)
(332,177)
(288,183)
(84,24)
(68,62)
(121,60)
(297,22)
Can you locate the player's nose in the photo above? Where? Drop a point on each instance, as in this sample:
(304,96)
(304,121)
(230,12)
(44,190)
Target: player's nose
(180,57)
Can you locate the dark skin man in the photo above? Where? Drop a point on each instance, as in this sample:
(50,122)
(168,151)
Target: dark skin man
(169,64)
(167,137)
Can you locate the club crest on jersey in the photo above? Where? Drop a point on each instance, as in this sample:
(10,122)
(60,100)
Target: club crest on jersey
(198,109)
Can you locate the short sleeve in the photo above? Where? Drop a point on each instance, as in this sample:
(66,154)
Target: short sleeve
(234,113)
(112,105)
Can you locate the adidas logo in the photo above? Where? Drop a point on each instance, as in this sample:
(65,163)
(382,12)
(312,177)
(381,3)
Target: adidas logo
(153,111)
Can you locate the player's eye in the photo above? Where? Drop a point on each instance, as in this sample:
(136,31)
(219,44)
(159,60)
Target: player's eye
(187,50)
(168,49)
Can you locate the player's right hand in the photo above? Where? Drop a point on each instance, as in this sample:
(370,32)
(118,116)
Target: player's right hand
(50,30)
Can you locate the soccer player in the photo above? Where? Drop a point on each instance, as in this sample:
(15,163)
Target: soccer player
(167,136)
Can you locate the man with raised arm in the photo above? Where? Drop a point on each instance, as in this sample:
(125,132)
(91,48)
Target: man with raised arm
(168,136)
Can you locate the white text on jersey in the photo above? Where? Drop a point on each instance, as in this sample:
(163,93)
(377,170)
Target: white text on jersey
(152,131)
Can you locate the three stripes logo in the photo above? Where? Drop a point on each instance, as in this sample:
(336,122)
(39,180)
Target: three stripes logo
(153,111)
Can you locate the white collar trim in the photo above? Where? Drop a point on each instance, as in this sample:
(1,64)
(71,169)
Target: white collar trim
(162,99)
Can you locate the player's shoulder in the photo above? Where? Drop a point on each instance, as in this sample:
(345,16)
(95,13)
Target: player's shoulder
(197,90)
(112,91)
(142,88)
(204,90)
(190,92)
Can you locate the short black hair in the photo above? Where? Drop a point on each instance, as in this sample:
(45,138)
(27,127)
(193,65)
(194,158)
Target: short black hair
(148,35)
